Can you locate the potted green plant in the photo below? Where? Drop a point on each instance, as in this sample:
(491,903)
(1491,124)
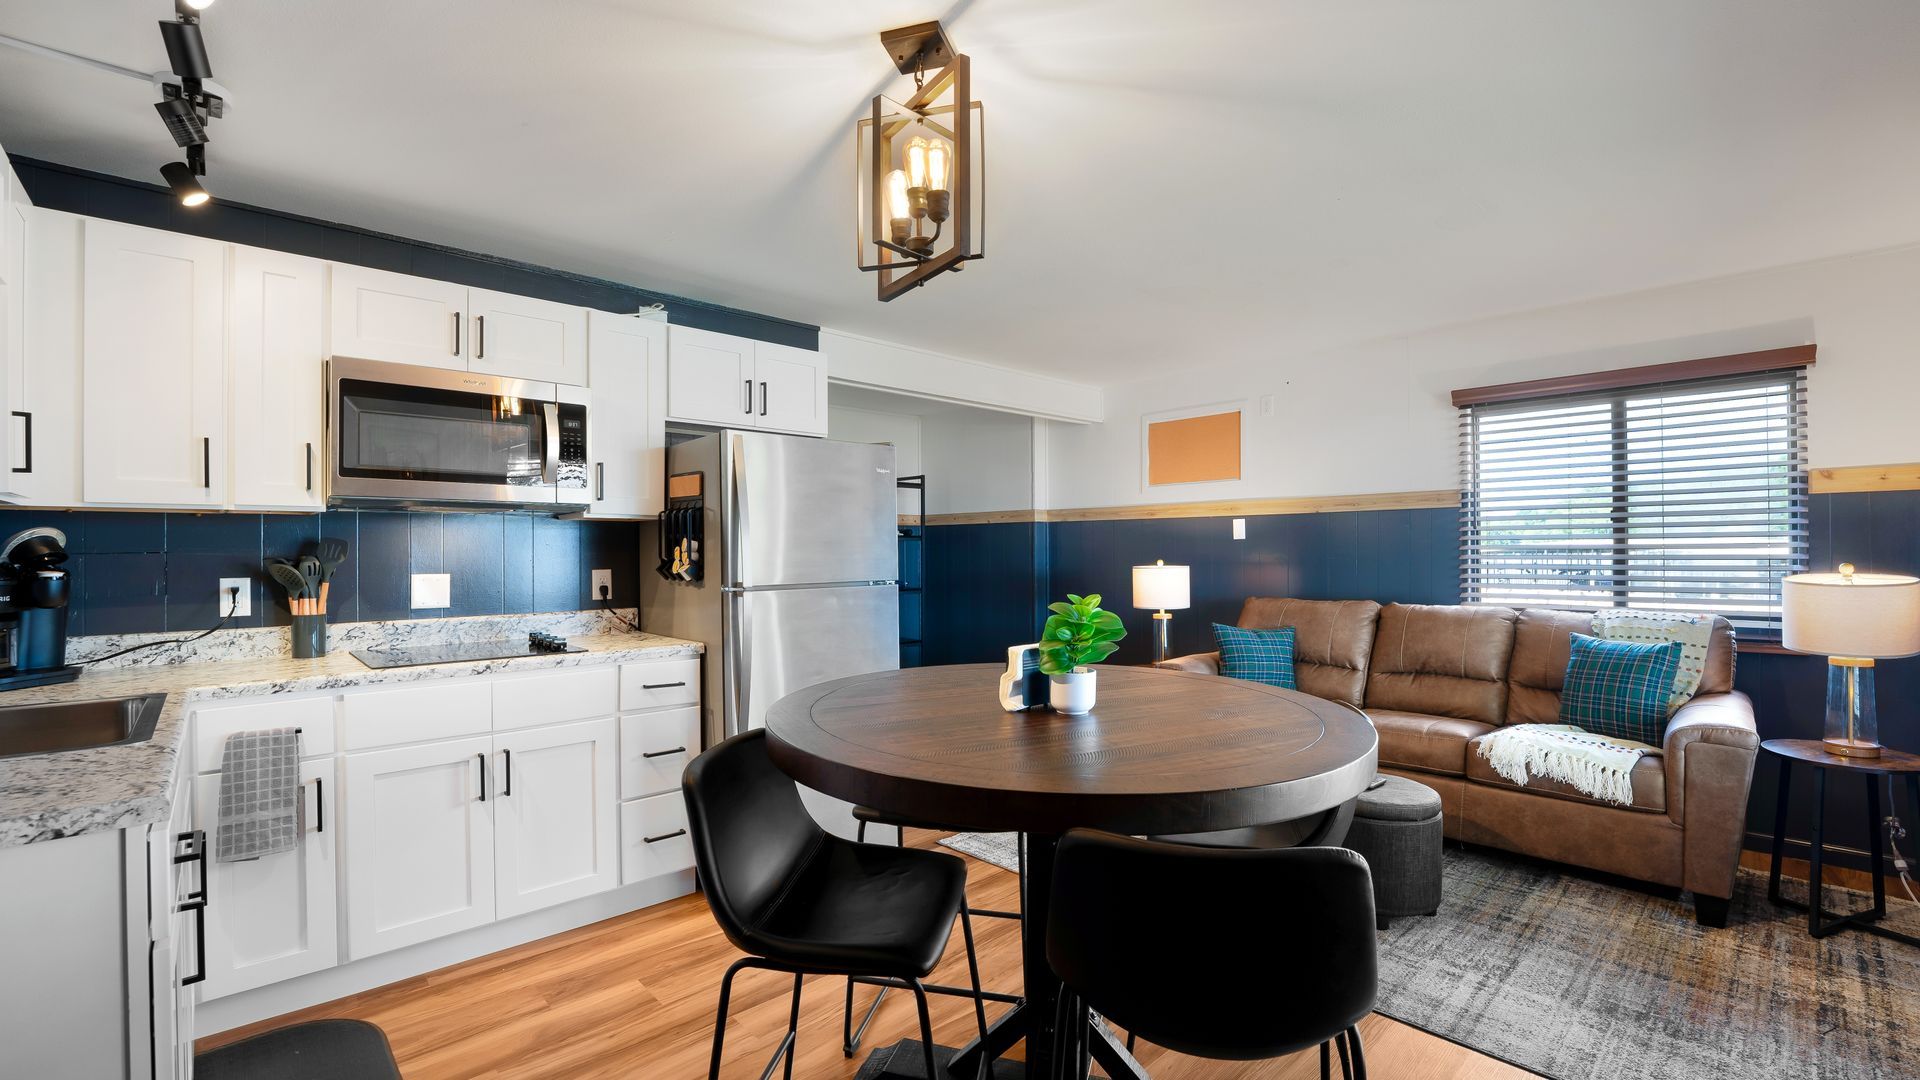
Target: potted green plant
(1078,634)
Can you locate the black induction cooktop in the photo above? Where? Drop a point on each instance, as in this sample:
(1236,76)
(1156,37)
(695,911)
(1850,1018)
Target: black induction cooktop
(464,652)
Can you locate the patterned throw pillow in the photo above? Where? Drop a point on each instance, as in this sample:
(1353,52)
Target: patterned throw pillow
(1264,656)
(1619,688)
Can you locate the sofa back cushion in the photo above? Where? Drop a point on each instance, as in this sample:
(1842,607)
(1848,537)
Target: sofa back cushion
(1442,660)
(1541,645)
(1332,641)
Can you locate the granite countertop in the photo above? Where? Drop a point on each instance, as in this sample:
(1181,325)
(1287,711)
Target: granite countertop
(50,796)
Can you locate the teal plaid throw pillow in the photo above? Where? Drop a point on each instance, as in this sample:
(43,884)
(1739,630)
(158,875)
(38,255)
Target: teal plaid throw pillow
(1619,688)
(1264,656)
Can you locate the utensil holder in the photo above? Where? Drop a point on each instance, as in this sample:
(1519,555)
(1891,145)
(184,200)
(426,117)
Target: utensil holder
(309,636)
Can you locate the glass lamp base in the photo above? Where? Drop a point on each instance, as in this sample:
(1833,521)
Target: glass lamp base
(1853,725)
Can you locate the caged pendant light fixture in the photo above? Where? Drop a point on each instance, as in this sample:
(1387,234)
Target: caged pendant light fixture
(921,167)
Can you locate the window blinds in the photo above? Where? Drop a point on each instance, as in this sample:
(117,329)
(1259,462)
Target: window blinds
(1683,496)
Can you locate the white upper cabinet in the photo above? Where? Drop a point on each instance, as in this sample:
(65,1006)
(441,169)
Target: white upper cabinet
(378,315)
(709,377)
(13,330)
(153,382)
(792,386)
(43,398)
(276,345)
(736,382)
(626,428)
(519,337)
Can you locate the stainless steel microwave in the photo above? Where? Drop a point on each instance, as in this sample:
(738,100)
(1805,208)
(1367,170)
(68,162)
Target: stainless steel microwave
(404,436)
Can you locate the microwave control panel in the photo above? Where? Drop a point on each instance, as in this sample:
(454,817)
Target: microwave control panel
(573,445)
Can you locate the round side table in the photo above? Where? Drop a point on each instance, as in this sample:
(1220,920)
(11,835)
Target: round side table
(1892,763)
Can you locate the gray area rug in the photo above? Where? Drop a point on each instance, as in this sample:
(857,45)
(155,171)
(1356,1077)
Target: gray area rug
(1584,979)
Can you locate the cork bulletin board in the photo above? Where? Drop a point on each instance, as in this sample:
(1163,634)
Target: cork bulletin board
(1193,449)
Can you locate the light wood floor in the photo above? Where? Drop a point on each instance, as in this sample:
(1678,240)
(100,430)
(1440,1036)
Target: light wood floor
(634,997)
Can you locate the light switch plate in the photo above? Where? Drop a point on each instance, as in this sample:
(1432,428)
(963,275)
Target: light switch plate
(432,591)
(243,605)
(1239,528)
(600,578)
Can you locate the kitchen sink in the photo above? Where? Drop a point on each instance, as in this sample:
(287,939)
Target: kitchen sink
(77,725)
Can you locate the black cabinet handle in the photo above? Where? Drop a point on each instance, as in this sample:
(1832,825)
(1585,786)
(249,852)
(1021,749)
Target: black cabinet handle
(600,478)
(319,806)
(507,788)
(665,753)
(763,399)
(206,462)
(28,417)
(749,409)
(309,466)
(661,685)
(196,902)
(483,776)
(664,836)
(480,337)
(456,333)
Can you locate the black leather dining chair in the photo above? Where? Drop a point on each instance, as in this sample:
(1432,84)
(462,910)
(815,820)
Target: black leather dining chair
(801,901)
(1163,939)
(850,1035)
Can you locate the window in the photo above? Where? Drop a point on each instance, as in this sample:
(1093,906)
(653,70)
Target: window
(1686,494)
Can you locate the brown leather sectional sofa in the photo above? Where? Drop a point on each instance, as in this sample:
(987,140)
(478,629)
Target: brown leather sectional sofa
(1436,678)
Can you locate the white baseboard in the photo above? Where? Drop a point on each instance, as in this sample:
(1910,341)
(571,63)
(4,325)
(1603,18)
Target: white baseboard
(235,1010)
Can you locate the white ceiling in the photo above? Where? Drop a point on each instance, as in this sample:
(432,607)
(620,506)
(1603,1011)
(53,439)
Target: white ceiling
(1170,183)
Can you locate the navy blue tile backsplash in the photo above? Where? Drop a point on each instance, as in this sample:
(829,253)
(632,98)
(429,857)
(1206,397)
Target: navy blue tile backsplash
(142,572)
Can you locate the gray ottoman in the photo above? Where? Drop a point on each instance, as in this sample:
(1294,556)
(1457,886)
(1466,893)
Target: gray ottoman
(1396,828)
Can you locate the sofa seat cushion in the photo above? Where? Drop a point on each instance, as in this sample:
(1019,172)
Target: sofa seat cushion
(1649,781)
(1438,744)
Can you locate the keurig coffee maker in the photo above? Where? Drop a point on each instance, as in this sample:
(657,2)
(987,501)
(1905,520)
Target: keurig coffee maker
(33,609)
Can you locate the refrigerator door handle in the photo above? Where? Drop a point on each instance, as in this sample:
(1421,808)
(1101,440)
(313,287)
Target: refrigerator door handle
(737,536)
(737,661)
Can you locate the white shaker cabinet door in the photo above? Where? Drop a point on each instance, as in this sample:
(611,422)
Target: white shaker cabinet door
(418,843)
(518,337)
(276,341)
(791,387)
(153,382)
(710,378)
(379,315)
(557,814)
(626,427)
(275,917)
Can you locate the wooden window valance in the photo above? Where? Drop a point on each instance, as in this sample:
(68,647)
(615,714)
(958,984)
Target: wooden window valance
(1737,364)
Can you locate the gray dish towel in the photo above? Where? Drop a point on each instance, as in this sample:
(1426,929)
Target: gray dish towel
(259,794)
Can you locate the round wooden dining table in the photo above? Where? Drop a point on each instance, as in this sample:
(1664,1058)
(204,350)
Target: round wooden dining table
(1163,752)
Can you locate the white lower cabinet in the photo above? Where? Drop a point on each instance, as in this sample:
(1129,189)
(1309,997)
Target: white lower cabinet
(275,917)
(653,837)
(418,842)
(554,821)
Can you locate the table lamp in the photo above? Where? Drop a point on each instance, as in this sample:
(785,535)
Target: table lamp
(1162,588)
(1852,619)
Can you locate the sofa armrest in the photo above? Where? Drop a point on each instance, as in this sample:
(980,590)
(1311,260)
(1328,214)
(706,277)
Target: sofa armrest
(1710,747)
(1206,663)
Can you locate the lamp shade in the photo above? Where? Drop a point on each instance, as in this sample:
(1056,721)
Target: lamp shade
(1160,587)
(1872,616)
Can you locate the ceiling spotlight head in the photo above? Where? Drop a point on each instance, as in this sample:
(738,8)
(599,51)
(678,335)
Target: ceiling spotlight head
(186,49)
(189,7)
(186,187)
(183,122)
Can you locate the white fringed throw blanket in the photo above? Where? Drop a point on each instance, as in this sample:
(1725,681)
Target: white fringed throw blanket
(1594,765)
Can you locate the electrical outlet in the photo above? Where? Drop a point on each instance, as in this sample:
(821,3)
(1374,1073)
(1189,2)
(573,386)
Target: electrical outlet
(432,591)
(1239,528)
(602,580)
(243,604)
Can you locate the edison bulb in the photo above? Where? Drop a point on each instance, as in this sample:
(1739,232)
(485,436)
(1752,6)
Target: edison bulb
(917,163)
(938,163)
(898,205)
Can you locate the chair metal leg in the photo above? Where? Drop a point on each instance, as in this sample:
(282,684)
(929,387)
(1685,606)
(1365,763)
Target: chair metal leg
(793,1028)
(720,1023)
(1346,1065)
(850,1034)
(926,1029)
(1359,1058)
(973,973)
(1326,1061)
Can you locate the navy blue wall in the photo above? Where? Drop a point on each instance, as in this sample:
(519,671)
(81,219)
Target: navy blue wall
(975,598)
(140,572)
(59,187)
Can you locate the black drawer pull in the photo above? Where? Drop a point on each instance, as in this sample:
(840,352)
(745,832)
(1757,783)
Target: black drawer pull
(28,417)
(319,805)
(483,776)
(196,902)
(665,753)
(663,836)
(661,685)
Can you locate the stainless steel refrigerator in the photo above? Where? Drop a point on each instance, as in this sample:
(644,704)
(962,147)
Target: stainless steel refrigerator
(798,582)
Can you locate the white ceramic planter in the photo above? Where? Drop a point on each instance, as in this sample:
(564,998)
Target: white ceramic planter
(1071,693)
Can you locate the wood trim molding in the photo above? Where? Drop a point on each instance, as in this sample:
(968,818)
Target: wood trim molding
(1709,367)
(987,517)
(1864,478)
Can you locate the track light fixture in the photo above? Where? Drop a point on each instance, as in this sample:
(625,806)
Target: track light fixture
(186,187)
(187,108)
